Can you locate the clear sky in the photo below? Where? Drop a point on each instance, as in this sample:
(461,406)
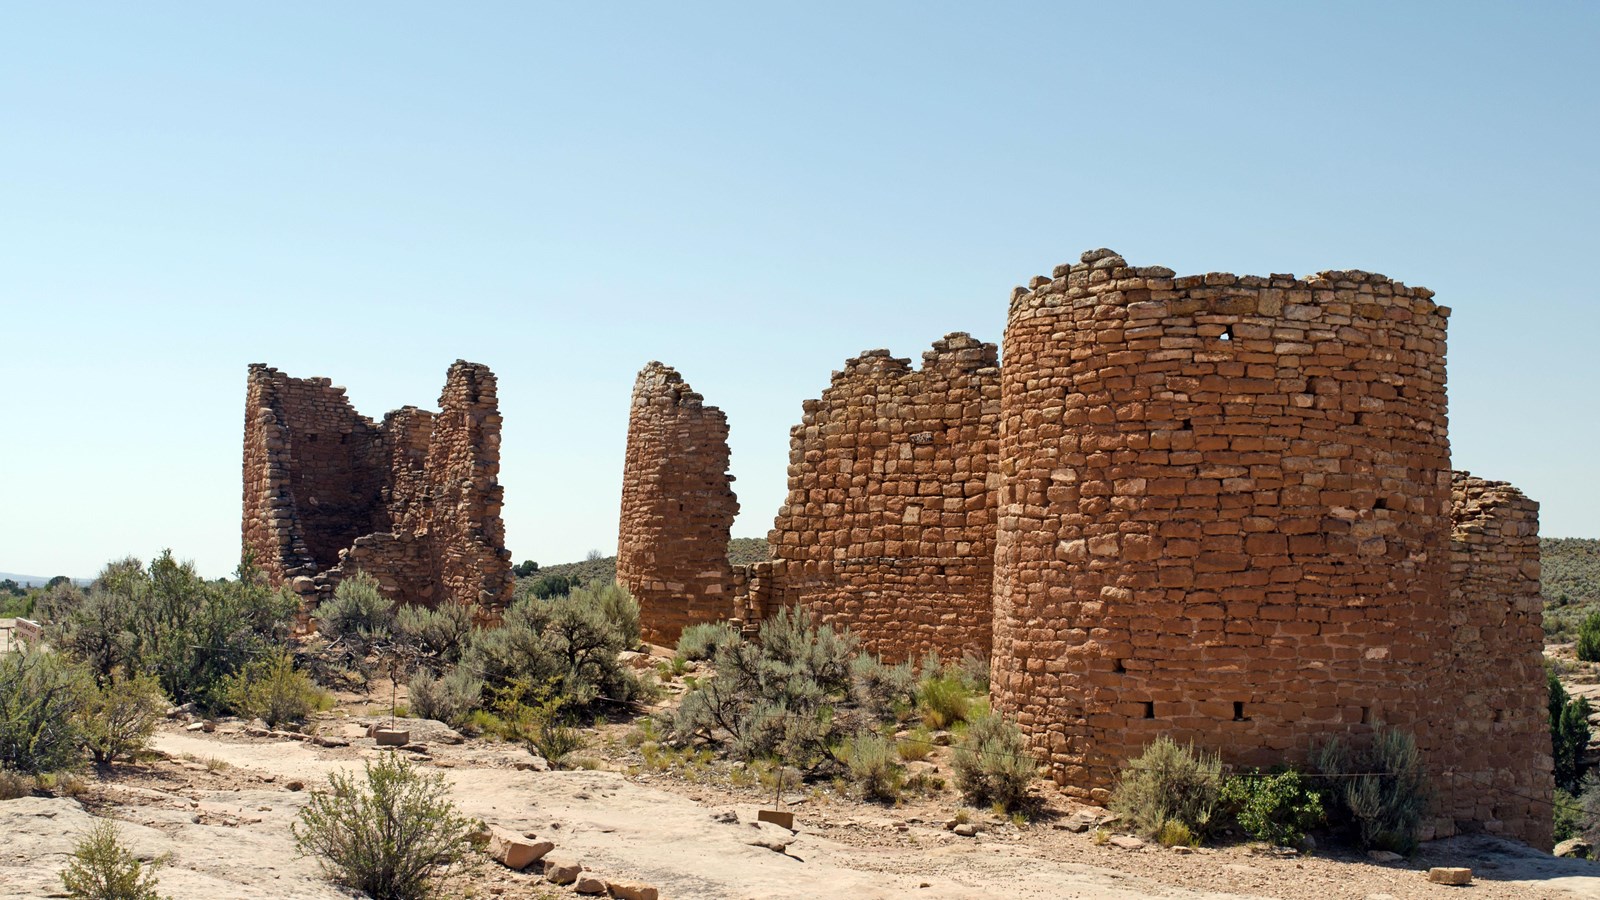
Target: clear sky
(747,191)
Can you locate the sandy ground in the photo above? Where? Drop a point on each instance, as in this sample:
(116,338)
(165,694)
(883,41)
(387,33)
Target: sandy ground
(221,804)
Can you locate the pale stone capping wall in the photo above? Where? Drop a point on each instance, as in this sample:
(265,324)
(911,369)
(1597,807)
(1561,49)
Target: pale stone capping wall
(888,526)
(678,507)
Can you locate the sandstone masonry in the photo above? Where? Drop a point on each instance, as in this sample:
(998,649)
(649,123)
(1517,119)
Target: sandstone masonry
(677,507)
(414,502)
(889,525)
(1226,516)
(1213,507)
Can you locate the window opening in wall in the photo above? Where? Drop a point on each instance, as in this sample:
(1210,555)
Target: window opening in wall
(1382,503)
(1227,334)
(1238,712)
(1366,715)
(344,438)
(1120,669)
(1149,709)
(311,439)
(1188,424)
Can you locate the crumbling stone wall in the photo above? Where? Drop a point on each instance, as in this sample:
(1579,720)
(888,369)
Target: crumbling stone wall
(414,502)
(678,507)
(1494,757)
(889,527)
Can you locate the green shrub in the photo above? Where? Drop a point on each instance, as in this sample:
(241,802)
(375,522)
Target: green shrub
(1589,637)
(944,699)
(1174,833)
(42,696)
(564,648)
(448,699)
(616,606)
(551,586)
(118,718)
(1169,782)
(992,763)
(394,837)
(435,637)
(274,691)
(702,641)
(1569,733)
(1569,817)
(786,695)
(1277,807)
(167,621)
(102,869)
(1385,808)
(884,691)
(872,767)
(915,745)
(358,612)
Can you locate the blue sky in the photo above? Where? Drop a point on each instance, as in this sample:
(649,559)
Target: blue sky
(749,192)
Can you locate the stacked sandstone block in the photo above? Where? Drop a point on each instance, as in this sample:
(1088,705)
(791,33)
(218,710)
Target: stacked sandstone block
(1494,758)
(889,526)
(414,502)
(677,507)
(1225,516)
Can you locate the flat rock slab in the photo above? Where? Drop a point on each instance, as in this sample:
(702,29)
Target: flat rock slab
(1450,875)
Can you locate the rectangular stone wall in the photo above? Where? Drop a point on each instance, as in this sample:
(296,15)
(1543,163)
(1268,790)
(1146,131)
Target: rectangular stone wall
(1493,766)
(889,526)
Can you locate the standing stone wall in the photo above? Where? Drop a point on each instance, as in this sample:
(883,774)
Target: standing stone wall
(414,502)
(678,507)
(1495,749)
(1224,514)
(889,526)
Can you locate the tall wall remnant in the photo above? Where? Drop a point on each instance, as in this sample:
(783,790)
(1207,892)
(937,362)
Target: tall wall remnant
(677,507)
(1226,517)
(1496,740)
(889,525)
(415,501)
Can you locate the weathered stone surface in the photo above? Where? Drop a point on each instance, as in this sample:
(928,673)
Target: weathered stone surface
(889,525)
(414,502)
(391,737)
(1450,875)
(1576,848)
(1226,514)
(562,869)
(677,507)
(589,884)
(1126,842)
(515,851)
(632,890)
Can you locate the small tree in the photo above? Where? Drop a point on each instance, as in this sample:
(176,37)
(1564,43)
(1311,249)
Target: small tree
(395,837)
(102,869)
(119,717)
(41,697)
(1589,637)
(1569,734)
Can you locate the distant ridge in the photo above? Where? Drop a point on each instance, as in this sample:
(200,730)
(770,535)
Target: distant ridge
(36,580)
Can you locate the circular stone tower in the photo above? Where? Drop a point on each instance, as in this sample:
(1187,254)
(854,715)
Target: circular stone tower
(1224,513)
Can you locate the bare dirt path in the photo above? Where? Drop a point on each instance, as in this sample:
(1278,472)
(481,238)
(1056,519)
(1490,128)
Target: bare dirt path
(221,805)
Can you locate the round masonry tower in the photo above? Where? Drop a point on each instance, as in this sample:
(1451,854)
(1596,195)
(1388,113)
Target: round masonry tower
(1224,514)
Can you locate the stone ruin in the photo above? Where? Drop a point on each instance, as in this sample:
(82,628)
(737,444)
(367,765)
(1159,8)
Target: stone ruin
(1214,507)
(413,501)
(677,507)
